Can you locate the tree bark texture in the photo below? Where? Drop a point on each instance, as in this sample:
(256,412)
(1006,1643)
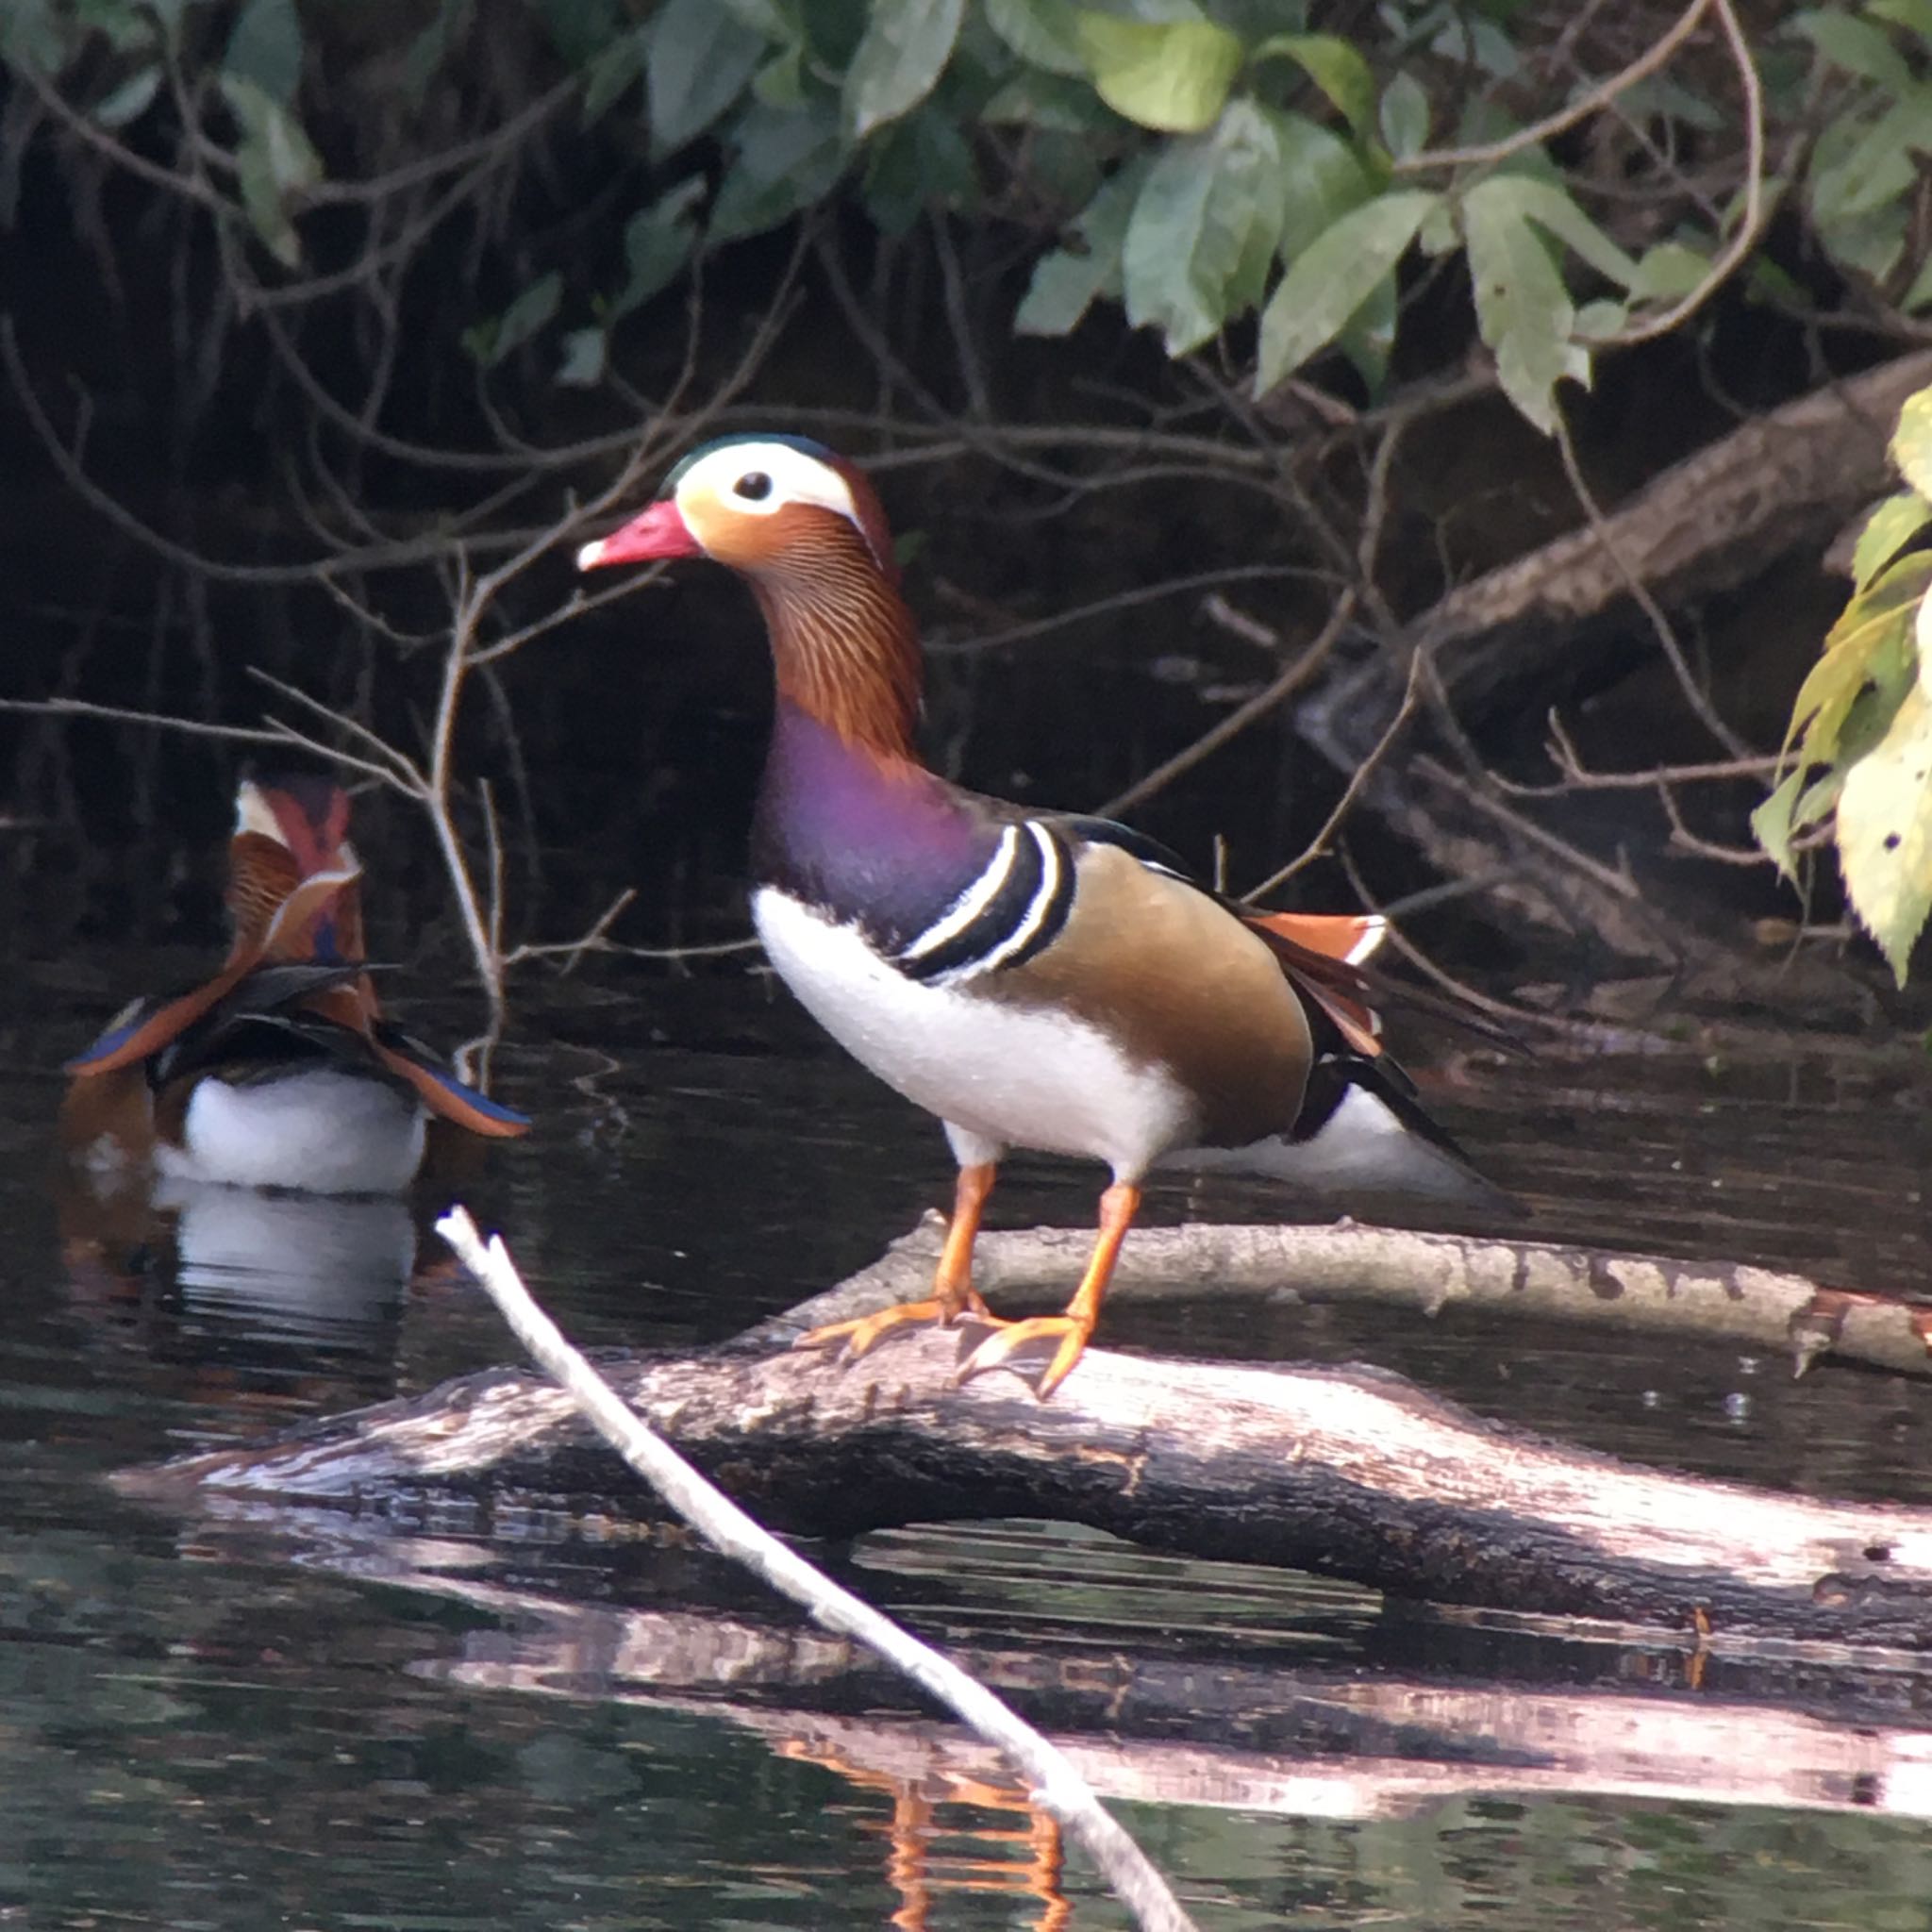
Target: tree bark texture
(1761,1308)
(1344,1473)
(1784,482)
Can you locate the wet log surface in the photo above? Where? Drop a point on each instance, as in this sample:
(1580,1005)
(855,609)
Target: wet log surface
(1345,1472)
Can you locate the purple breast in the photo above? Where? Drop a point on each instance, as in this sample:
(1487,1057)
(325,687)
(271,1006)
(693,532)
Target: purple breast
(888,845)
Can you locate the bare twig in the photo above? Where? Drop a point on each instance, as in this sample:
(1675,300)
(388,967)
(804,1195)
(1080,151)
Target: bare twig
(1058,1787)
(1108,607)
(1685,839)
(1695,694)
(275,732)
(1741,244)
(1586,104)
(1578,777)
(1318,846)
(1283,688)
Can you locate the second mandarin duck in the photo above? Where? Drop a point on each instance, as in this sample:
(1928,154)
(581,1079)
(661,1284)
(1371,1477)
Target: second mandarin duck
(1036,979)
(280,1071)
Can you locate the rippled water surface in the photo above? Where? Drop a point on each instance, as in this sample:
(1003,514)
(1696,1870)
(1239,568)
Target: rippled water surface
(252,1724)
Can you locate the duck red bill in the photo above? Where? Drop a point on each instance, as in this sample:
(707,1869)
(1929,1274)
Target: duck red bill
(660,532)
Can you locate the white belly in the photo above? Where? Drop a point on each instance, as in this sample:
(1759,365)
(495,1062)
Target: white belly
(324,1132)
(1009,1076)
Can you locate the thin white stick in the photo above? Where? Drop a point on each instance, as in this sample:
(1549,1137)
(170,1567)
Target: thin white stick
(1057,1786)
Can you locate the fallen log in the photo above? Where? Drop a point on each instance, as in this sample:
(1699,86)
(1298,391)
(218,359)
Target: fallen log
(1344,1473)
(1760,1308)
(1783,483)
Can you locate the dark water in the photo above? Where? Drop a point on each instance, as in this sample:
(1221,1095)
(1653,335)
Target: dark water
(248,1724)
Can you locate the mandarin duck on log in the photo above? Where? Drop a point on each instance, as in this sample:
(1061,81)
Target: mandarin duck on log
(280,1071)
(1036,979)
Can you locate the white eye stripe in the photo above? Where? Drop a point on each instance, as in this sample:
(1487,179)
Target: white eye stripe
(253,812)
(795,477)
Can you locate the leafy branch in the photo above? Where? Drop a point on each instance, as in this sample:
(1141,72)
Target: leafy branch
(1860,747)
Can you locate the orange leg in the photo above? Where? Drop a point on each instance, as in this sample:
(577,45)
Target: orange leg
(1118,1206)
(952,1293)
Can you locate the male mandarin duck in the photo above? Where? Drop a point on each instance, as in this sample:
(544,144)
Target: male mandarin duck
(280,1072)
(1035,979)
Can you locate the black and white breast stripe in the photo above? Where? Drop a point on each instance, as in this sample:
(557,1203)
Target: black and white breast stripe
(1013,909)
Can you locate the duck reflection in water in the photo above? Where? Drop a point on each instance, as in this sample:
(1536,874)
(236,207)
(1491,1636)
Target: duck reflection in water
(263,1127)
(919,1875)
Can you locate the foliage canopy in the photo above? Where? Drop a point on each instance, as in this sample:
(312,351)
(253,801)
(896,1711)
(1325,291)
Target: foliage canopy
(1206,164)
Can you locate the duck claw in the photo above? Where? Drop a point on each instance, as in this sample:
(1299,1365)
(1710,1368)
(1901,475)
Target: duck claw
(851,1340)
(998,1348)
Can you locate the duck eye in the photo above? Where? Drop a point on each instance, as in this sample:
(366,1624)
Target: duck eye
(753,486)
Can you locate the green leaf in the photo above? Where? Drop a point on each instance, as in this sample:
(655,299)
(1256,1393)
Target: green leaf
(1066,282)
(770,20)
(1474,42)
(1550,207)
(1771,823)
(1887,531)
(921,162)
(611,74)
(274,162)
(266,48)
(129,101)
(1335,67)
(427,53)
(1322,179)
(1870,644)
(783,160)
(1667,272)
(286,152)
(699,58)
(1599,321)
(1818,800)
(1368,337)
(1915,16)
(490,342)
(1404,116)
(1204,229)
(35,36)
(1522,308)
(905,49)
(780,82)
(1173,75)
(1859,169)
(1664,98)
(1871,245)
(1858,46)
(1911,442)
(1042,32)
(1331,278)
(657,242)
(1047,101)
(1885,832)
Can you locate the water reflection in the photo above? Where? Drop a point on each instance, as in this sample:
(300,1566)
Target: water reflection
(568,1725)
(238,1282)
(287,1266)
(920,1870)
